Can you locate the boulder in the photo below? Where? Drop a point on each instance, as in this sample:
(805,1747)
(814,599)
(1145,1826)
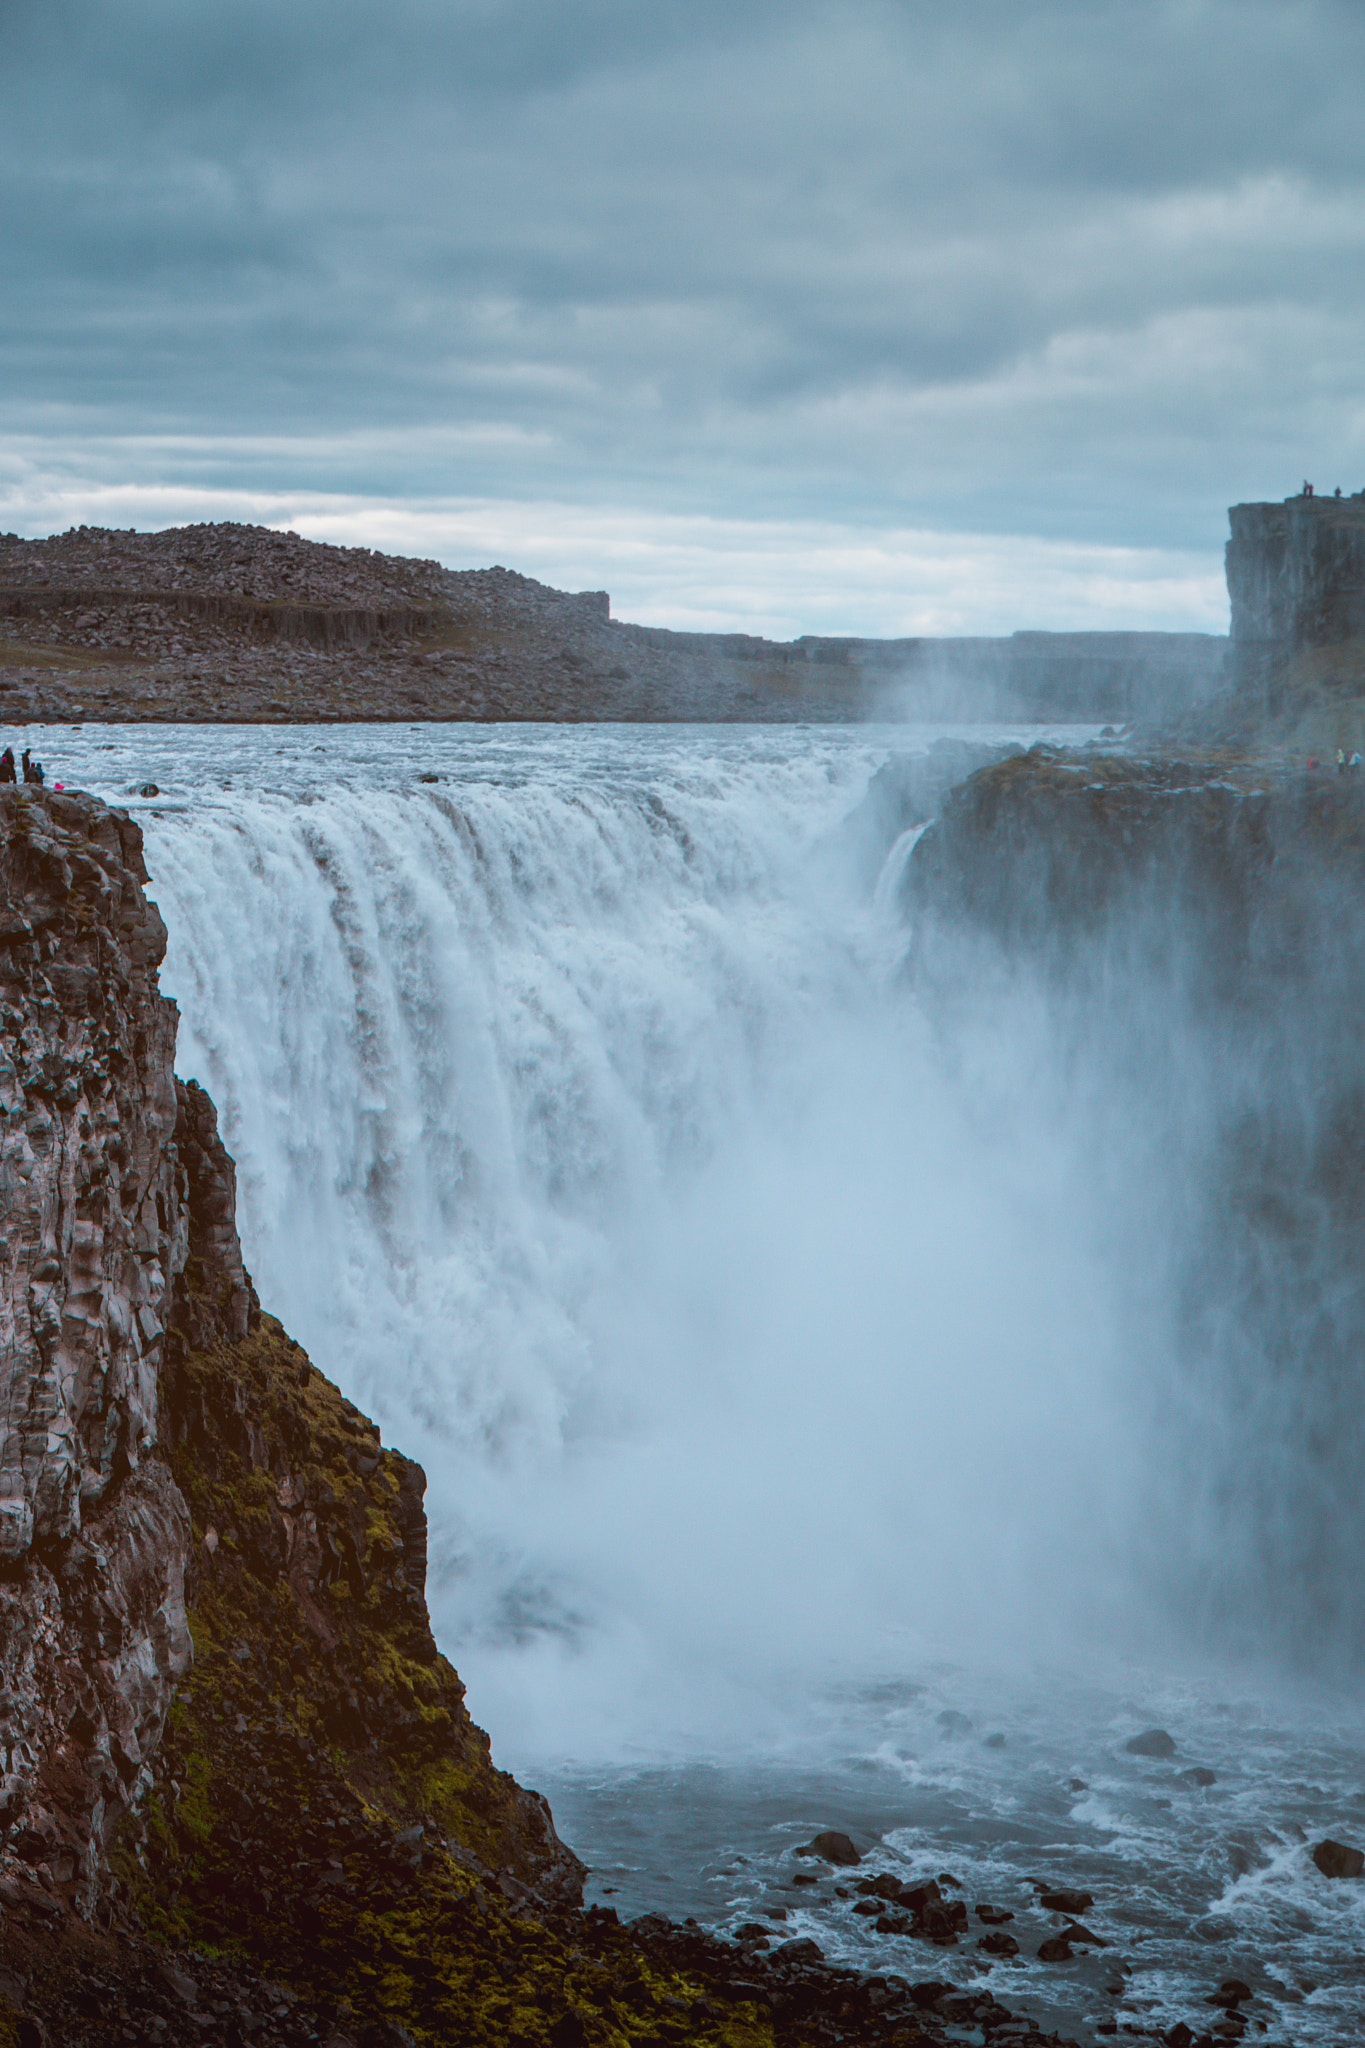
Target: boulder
(832,1847)
(1335,1859)
(1066,1902)
(1152,1742)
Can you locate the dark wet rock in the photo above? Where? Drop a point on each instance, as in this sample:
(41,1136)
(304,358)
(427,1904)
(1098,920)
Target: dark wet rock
(998,1944)
(832,1847)
(1077,1785)
(942,1922)
(894,1923)
(953,1883)
(996,1741)
(992,1916)
(803,1951)
(1066,1901)
(1078,1932)
(869,1908)
(917,1897)
(803,1877)
(929,1993)
(1200,1774)
(149,789)
(951,1722)
(1231,1993)
(1056,1949)
(1335,1859)
(1153,1742)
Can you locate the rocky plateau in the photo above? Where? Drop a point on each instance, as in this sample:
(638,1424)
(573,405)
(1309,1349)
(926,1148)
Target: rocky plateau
(244,623)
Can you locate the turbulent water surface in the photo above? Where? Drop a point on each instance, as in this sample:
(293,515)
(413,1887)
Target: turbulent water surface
(787,1353)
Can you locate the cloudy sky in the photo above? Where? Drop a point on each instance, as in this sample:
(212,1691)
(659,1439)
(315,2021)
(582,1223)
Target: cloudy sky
(884,316)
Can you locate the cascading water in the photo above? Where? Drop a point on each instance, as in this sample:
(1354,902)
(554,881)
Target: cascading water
(778,1374)
(585,1133)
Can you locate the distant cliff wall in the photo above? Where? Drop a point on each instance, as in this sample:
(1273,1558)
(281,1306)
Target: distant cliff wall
(243,624)
(1296,581)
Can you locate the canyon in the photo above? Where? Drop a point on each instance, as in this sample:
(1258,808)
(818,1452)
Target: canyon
(242,1796)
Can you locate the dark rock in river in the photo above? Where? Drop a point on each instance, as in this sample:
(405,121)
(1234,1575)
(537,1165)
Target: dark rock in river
(1151,1742)
(1056,1949)
(799,1952)
(1066,1902)
(1200,1775)
(998,1944)
(1334,1859)
(832,1847)
(919,1896)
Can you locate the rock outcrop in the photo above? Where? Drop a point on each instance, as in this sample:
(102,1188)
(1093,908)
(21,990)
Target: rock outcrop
(93,1532)
(141,1398)
(1296,585)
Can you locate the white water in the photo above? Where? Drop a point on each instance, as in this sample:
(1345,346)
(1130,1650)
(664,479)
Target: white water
(759,1343)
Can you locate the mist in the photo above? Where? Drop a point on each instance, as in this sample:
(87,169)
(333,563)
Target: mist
(784,1286)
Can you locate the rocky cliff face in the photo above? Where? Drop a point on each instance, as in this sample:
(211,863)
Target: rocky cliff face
(1190,936)
(136,1397)
(93,1532)
(1296,582)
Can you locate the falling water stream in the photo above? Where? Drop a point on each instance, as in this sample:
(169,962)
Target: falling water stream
(786,1379)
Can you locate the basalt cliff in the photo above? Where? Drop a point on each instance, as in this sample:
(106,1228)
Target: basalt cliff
(1295,674)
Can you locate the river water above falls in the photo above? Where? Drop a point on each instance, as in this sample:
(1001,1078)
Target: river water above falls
(790,1400)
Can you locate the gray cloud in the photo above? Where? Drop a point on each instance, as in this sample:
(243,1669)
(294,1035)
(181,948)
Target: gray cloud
(1072,269)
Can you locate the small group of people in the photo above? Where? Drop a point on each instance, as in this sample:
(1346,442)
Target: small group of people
(1345,765)
(33,770)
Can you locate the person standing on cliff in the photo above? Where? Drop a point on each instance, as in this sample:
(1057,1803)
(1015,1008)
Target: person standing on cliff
(7,773)
(33,770)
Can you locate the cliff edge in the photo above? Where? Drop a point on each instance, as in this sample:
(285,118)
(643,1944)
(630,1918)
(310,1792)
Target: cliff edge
(1296,653)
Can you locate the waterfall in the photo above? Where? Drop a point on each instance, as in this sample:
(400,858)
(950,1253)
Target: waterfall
(589,1136)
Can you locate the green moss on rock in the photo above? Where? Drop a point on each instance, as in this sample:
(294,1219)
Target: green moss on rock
(324,1809)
